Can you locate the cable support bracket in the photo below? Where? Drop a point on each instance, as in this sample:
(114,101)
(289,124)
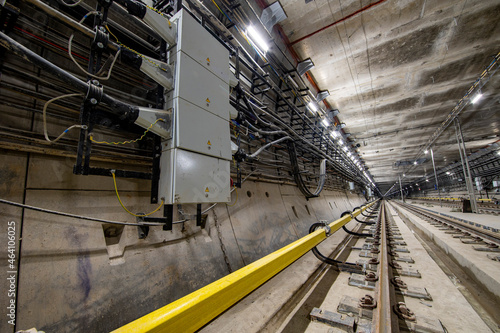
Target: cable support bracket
(95,92)
(101,38)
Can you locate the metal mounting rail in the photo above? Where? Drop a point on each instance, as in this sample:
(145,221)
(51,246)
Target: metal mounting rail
(198,308)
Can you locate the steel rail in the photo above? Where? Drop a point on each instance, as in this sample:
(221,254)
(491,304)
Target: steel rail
(198,308)
(383,318)
(492,236)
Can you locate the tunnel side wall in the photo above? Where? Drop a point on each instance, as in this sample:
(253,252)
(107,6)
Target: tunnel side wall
(72,278)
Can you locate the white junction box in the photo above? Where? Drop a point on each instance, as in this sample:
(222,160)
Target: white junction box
(195,178)
(195,162)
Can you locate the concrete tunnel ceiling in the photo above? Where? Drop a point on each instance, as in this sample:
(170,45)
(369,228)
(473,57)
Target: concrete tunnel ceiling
(396,68)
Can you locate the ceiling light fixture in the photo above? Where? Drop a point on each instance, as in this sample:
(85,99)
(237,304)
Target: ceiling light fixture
(426,151)
(257,39)
(325,122)
(335,134)
(415,163)
(477,98)
(313,107)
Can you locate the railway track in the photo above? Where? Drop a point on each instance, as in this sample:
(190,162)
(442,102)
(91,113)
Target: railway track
(385,277)
(401,288)
(484,206)
(471,233)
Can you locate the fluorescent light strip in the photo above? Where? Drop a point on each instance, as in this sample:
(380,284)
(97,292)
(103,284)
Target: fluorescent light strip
(254,35)
(476,98)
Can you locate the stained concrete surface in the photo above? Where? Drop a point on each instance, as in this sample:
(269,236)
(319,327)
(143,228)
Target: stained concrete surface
(12,173)
(68,281)
(396,69)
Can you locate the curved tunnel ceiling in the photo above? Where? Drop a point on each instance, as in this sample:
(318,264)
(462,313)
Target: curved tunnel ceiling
(395,69)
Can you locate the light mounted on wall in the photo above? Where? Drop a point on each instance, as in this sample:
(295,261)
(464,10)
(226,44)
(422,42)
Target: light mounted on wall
(340,126)
(333,113)
(304,66)
(257,39)
(476,98)
(322,95)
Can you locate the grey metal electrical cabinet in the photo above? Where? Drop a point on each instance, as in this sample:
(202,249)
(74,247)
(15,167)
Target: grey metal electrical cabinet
(195,162)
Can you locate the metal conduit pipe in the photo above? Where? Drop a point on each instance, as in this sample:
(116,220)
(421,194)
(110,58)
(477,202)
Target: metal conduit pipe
(195,310)
(337,22)
(261,149)
(264,132)
(296,134)
(124,110)
(83,29)
(301,138)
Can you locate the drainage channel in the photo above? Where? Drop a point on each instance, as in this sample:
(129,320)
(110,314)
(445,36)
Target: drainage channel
(402,288)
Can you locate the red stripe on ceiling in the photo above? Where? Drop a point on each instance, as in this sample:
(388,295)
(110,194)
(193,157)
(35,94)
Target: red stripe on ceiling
(339,21)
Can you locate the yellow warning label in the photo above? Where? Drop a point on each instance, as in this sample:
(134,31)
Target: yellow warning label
(209,143)
(208,100)
(208,59)
(206,190)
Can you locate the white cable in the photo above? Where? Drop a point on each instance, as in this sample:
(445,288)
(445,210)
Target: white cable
(71,4)
(70,43)
(44,116)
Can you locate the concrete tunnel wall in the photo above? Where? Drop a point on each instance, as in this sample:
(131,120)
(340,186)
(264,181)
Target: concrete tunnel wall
(74,279)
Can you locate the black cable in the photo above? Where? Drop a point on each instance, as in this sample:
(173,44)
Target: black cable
(352,232)
(48,211)
(298,177)
(319,255)
(356,218)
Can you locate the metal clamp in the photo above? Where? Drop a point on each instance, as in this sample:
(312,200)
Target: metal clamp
(101,38)
(403,312)
(95,92)
(371,276)
(327,228)
(400,284)
(367,302)
(347,212)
